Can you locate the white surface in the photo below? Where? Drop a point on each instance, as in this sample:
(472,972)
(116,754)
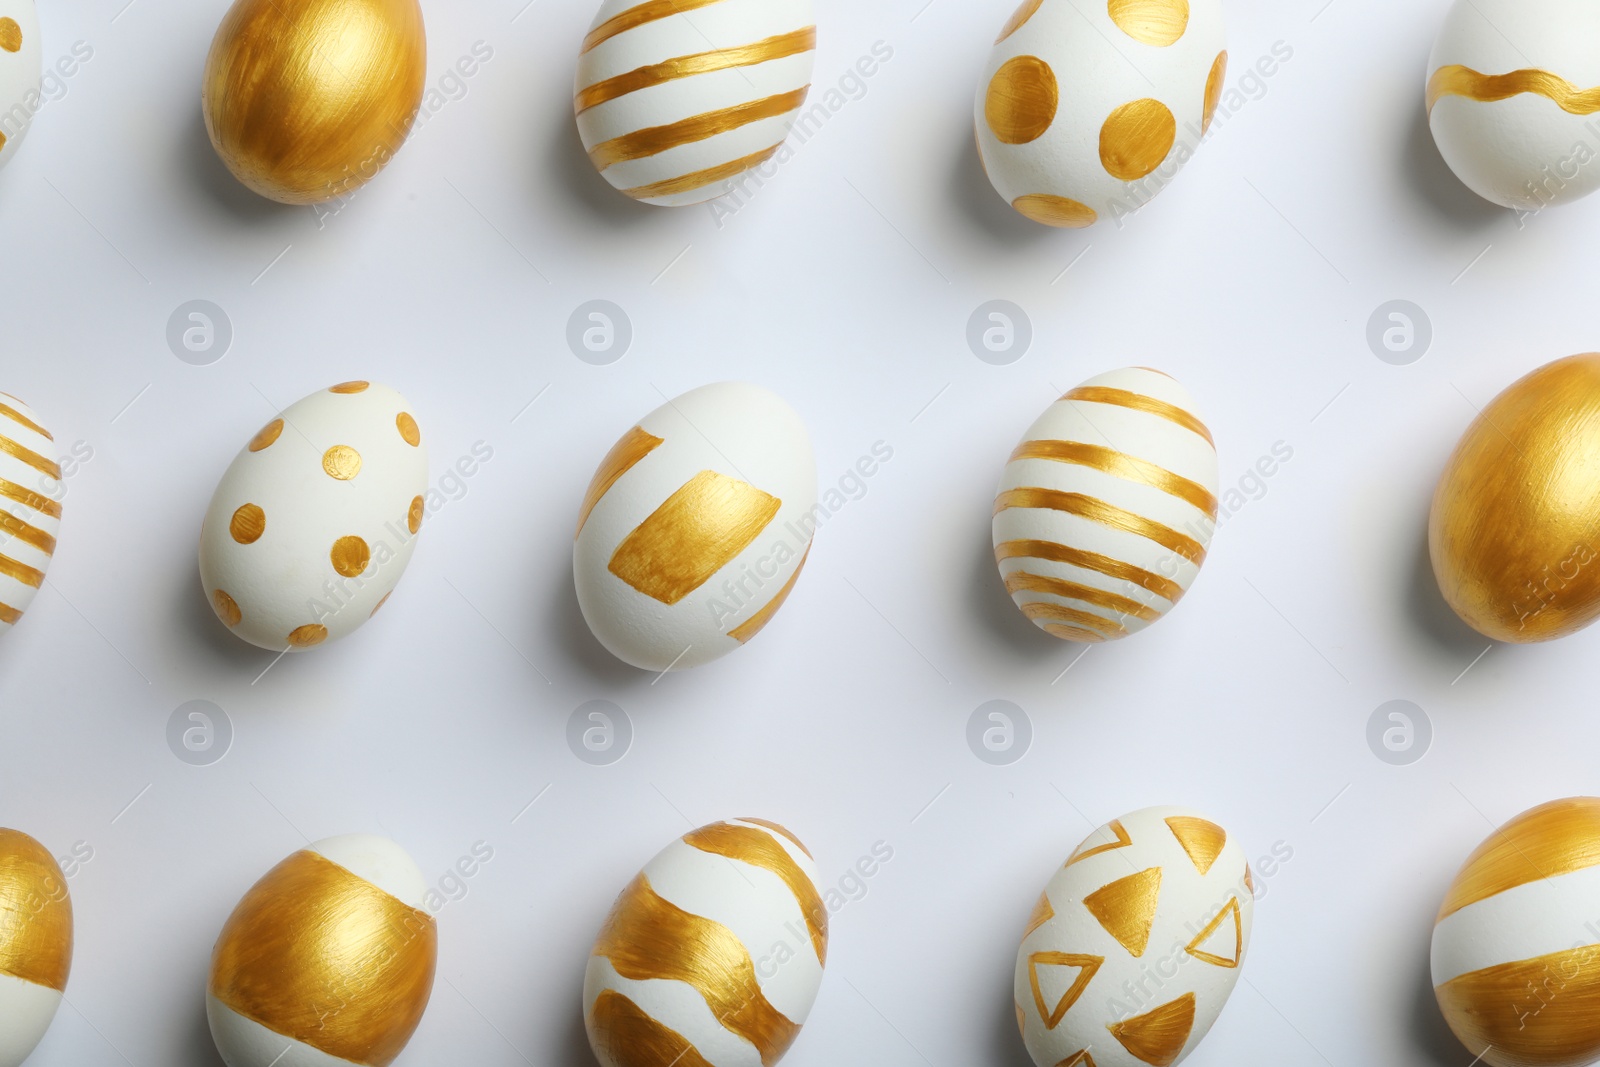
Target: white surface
(434,726)
(26,1010)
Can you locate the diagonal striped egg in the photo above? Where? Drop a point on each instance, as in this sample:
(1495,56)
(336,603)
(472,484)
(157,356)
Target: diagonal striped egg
(21,67)
(1136,944)
(677,99)
(1086,110)
(1107,507)
(35,944)
(1516,950)
(327,961)
(696,526)
(30,511)
(313,525)
(712,956)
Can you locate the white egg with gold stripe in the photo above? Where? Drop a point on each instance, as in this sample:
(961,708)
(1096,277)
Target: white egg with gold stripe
(30,508)
(696,527)
(36,934)
(1108,506)
(1136,943)
(1516,947)
(21,66)
(676,99)
(712,956)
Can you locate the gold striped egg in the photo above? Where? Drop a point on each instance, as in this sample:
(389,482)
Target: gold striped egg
(328,960)
(1512,527)
(1086,111)
(1516,953)
(30,508)
(713,954)
(307,100)
(1136,943)
(35,944)
(21,67)
(1108,506)
(314,523)
(696,527)
(677,99)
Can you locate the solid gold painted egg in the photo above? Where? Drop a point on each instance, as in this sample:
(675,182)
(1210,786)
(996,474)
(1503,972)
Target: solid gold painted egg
(1515,517)
(306,100)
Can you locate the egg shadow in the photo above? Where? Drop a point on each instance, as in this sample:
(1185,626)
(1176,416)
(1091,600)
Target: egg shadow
(575,1050)
(984,210)
(205,634)
(580,648)
(1006,1048)
(1007,631)
(1435,185)
(1431,615)
(198,1048)
(1433,1044)
(583,186)
(216,184)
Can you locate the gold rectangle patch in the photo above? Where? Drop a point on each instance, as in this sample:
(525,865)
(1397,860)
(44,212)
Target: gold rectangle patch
(699,530)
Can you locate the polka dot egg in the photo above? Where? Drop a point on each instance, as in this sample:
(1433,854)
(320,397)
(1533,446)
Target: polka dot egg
(314,523)
(21,61)
(1087,110)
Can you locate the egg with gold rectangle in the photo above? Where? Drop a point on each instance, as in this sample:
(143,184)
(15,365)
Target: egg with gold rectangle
(35,944)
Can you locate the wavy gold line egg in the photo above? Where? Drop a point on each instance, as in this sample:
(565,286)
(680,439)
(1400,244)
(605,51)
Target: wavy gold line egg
(307,100)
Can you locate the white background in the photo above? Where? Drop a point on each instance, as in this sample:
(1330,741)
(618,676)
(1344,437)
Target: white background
(845,285)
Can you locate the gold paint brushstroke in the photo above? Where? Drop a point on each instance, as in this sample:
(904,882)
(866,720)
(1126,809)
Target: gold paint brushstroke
(29,499)
(30,457)
(781,832)
(1099,394)
(623,457)
(1059,211)
(1136,137)
(700,529)
(749,55)
(21,572)
(22,420)
(1109,515)
(757,848)
(1022,99)
(1042,913)
(1553,839)
(1087,965)
(1126,908)
(1158,1036)
(1120,465)
(27,533)
(1019,18)
(1457,80)
(10,34)
(1158,23)
(1091,561)
(1544,1010)
(701,178)
(623,1033)
(755,623)
(1193,947)
(1024,582)
(267,436)
(227,609)
(1120,839)
(35,914)
(638,16)
(653,140)
(1202,839)
(1041,611)
(1072,633)
(1214,85)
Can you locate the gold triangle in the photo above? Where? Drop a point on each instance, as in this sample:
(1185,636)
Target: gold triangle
(1022,1022)
(1078,1059)
(1157,1037)
(1193,948)
(1087,965)
(1249,882)
(1042,913)
(1122,841)
(1127,908)
(1202,840)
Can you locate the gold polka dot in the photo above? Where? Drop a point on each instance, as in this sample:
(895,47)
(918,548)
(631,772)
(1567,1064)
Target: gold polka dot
(227,608)
(268,436)
(1153,22)
(414,519)
(1022,100)
(351,387)
(1028,9)
(1136,138)
(341,462)
(350,556)
(1056,211)
(248,524)
(10,35)
(408,428)
(308,636)
(1219,71)
(382,602)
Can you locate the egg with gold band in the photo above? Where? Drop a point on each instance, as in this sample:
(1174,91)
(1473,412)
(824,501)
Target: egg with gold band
(1085,112)
(1107,508)
(1513,92)
(696,527)
(21,68)
(313,525)
(31,490)
(307,100)
(1512,531)
(1136,943)
(328,960)
(713,954)
(35,944)
(1516,954)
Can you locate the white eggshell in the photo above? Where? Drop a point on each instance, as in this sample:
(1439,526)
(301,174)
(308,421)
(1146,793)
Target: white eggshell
(676,102)
(1524,151)
(286,573)
(26,1011)
(1107,507)
(30,512)
(753,452)
(758,895)
(1136,944)
(21,67)
(1080,157)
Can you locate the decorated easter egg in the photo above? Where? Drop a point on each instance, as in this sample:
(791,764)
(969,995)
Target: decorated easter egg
(328,960)
(307,100)
(1513,91)
(677,101)
(1516,955)
(1107,507)
(30,509)
(314,523)
(1087,111)
(35,944)
(1136,944)
(712,955)
(1512,530)
(21,67)
(696,526)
